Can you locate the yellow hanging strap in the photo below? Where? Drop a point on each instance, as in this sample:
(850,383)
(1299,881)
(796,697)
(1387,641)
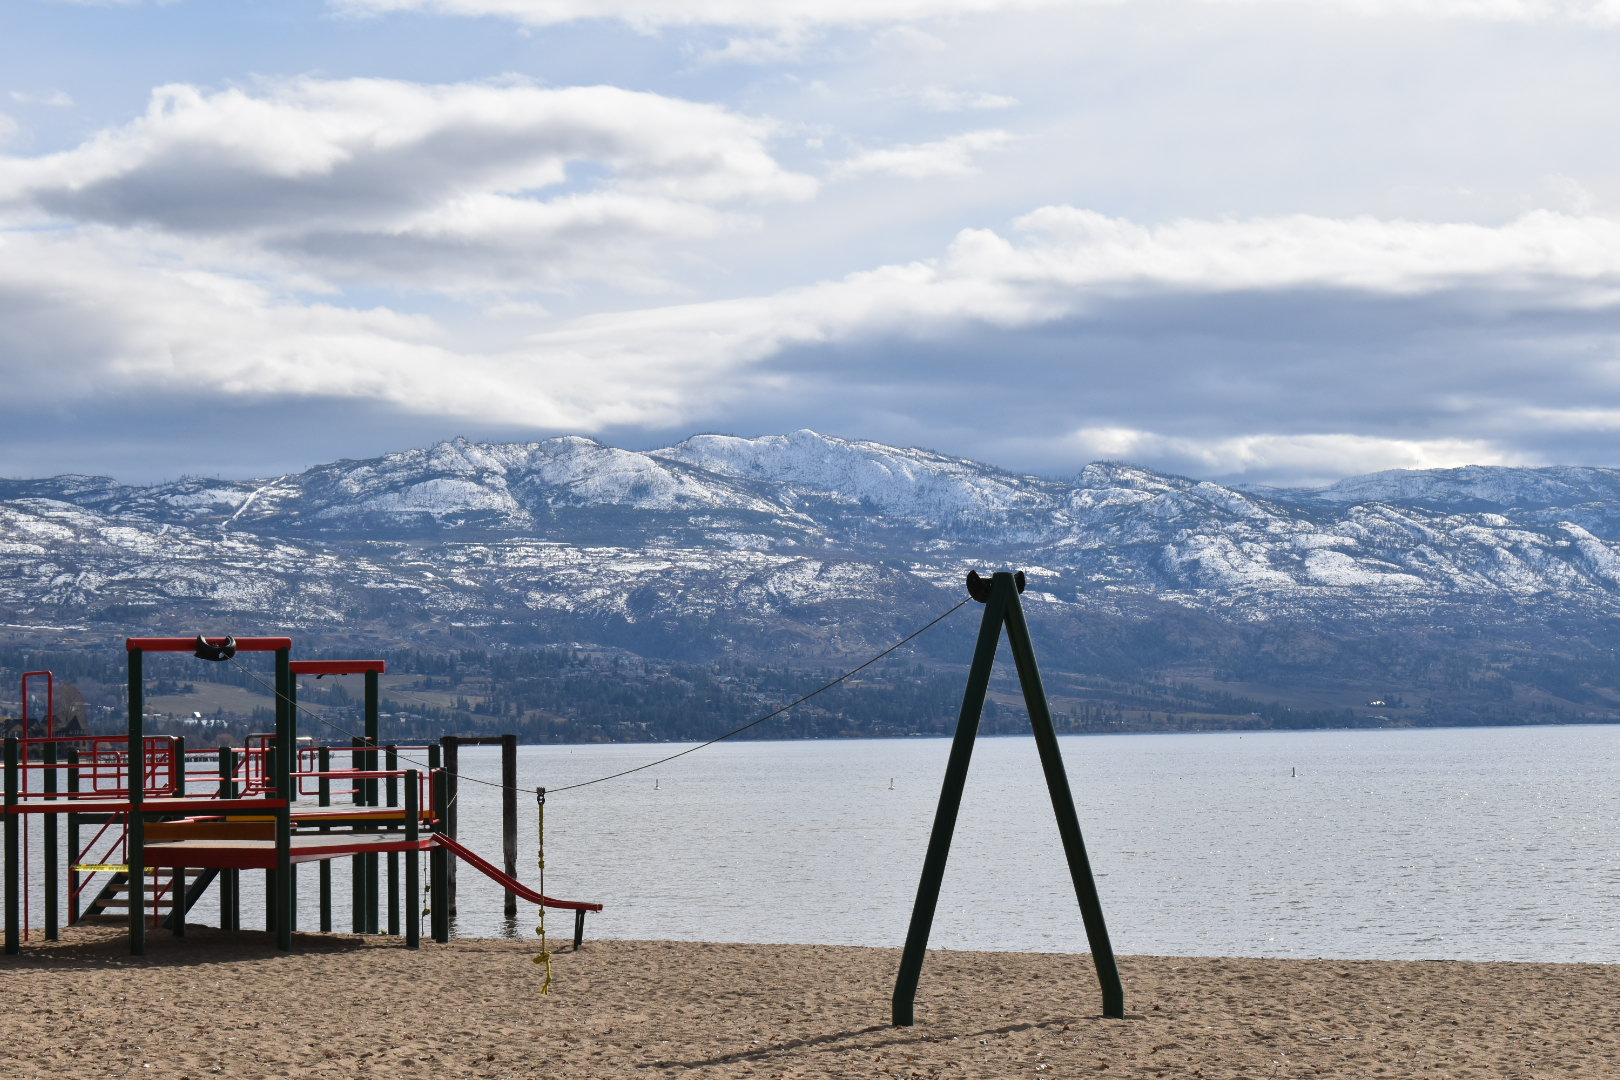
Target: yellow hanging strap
(545,952)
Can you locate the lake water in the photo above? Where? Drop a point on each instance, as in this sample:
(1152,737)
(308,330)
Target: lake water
(1482,843)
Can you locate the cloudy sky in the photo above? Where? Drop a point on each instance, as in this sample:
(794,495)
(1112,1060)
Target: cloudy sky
(1239,239)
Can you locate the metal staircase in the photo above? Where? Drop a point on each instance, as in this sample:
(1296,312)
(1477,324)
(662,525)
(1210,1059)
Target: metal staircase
(111,904)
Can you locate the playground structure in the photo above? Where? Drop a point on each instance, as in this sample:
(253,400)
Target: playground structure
(151,824)
(243,811)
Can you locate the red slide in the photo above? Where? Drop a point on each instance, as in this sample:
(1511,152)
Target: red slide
(489,870)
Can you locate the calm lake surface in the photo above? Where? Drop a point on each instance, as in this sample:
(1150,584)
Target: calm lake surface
(1479,843)
(1466,843)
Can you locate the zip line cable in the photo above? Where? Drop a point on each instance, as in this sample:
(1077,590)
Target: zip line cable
(772,715)
(852,672)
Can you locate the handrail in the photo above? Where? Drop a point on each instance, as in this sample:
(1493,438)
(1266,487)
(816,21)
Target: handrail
(104,764)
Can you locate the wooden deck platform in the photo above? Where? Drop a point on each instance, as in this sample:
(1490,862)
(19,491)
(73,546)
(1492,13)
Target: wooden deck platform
(261,854)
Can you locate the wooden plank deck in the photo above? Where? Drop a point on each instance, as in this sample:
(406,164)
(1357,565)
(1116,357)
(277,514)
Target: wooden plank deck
(261,854)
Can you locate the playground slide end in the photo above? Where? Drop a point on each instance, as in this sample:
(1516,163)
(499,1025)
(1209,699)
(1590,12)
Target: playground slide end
(506,881)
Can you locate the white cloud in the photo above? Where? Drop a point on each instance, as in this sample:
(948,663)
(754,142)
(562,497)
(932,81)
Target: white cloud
(55,99)
(1304,458)
(1069,248)
(785,45)
(1590,11)
(449,187)
(82,316)
(1070,260)
(91,311)
(9,129)
(1573,418)
(933,97)
(650,14)
(953,156)
(942,99)
(658,13)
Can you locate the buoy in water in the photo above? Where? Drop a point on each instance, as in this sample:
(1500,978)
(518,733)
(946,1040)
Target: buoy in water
(891,783)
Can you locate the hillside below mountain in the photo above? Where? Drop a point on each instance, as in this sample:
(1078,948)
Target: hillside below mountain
(1467,594)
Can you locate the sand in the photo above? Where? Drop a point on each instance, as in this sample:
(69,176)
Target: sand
(218,1005)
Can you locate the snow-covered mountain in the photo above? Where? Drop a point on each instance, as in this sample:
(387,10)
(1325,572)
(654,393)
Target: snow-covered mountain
(777,542)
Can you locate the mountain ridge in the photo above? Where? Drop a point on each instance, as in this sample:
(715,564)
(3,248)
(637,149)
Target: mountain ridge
(805,548)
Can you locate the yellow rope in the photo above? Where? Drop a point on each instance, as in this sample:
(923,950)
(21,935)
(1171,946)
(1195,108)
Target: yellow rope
(545,951)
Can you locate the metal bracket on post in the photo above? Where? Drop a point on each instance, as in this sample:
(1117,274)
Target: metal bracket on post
(1003,609)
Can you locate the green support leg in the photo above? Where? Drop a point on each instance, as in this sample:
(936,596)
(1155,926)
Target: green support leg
(439,868)
(393,856)
(413,863)
(270,893)
(950,802)
(373,721)
(286,749)
(53,930)
(73,838)
(13,854)
(324,798)
(357,863)
(230,881)
(177,880)
(1057,785)
(135,835)
(230,900)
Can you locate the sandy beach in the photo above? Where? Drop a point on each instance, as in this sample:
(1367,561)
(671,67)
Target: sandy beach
(216,1005)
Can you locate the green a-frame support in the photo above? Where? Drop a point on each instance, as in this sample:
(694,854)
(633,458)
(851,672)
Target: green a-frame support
(1002,608)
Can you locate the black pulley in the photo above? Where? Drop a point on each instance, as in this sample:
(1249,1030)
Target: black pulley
(979,588)
(209,651)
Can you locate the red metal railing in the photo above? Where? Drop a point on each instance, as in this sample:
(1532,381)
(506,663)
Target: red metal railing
(102,766)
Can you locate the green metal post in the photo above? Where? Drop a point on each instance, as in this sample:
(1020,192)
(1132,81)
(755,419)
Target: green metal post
(413,862)
(373,724)
(451,751)
(373,715)
(270,894)
(73,840)
(177,879)
(286,747)
(509,841)
(950,802)
(1057,786)
(393,856)
(230,881)
(436,804)
(439,865)
(324,798)
(53,930)
(135,837)
(357,863)
(13,854)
